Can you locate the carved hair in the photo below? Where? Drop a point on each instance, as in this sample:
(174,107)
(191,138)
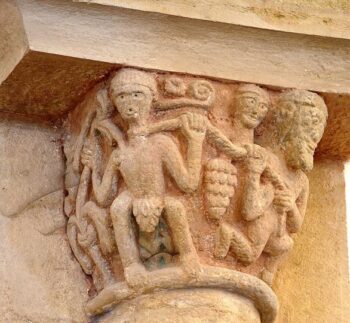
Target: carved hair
(306,98)
(285,120)
(252,88)
(129,76)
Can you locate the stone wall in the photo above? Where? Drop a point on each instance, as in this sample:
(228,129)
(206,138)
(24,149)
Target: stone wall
(313,284)
(40,279)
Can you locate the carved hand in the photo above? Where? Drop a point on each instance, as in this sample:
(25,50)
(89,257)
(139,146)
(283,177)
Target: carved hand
(88,238)
(193,126)
(116,158)
(87,157)
(256,161)
(284,200)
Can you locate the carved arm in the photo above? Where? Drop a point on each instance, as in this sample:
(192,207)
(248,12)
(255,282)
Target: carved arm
(257,197)
(295,216)
(187,176)
(235,152)
(104,187)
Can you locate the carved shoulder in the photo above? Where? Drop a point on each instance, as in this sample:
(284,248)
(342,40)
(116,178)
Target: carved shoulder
(164,142)
(304,184)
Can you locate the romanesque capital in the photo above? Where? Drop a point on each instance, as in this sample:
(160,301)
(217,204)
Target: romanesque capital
(184,192)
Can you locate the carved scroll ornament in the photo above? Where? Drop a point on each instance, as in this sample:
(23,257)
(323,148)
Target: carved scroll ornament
(172,194)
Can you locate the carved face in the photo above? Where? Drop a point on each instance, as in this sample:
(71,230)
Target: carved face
(302,140)
(251,109)
(133,102)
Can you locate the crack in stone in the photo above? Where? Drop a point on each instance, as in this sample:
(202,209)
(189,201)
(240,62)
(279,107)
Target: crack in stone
(29,204)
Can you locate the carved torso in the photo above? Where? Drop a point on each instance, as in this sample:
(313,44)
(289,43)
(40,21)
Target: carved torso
(141,164)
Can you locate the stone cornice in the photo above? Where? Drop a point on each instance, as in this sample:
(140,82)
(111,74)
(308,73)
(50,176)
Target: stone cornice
(305,17)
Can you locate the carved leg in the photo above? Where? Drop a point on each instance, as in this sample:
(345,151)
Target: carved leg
(227,236)
(149,241)
(277,248)
(103,245)
(121,213)
(248,248)
(80,253)
(99,218)
(102,266)
(175,216)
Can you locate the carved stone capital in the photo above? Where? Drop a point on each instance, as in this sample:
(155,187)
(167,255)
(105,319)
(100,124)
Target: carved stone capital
(184,192)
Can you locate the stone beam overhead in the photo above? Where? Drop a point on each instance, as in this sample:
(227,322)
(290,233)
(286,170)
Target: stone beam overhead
(163,42)
(13,42)
(313,17)
(47,86)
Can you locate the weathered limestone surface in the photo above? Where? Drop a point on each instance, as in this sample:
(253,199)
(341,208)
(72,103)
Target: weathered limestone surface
(196,305)
(40,280)
(13,41)
(336,141)
(181,183)
(151,40)
(182,158)
(318,17)
(40,218)
(313,284)
(49,85)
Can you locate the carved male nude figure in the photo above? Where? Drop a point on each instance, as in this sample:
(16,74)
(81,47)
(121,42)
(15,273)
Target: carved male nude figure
(141,163)
(273,214)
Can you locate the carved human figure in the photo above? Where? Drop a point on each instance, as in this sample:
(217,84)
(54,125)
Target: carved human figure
(141,162)
(251,106)
(276,190)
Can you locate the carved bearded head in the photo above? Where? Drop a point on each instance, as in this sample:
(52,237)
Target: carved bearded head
(132,92)
(251,103)
(300,120)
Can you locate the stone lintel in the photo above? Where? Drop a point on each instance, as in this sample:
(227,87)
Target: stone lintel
(13,42)
(177,44)
(322,18)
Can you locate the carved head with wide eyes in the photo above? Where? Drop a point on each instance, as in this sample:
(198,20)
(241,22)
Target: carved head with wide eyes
(252,104)
(133,92)
(300,117)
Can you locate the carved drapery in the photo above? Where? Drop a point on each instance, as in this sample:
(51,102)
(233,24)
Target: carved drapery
(176,182)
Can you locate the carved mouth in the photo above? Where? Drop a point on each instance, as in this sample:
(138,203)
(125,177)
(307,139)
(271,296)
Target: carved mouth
(253,116)
(131,114)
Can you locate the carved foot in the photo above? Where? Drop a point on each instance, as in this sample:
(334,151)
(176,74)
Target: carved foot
(242,248)
(267,276)
(190,264)
(223,241)
(136,275)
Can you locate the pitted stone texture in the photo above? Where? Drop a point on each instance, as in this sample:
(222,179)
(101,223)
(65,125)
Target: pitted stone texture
(31,164)
(312,285)
(40,280)
(49,85)
(184,306)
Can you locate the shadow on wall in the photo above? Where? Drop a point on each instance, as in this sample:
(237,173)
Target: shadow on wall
(347,198)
